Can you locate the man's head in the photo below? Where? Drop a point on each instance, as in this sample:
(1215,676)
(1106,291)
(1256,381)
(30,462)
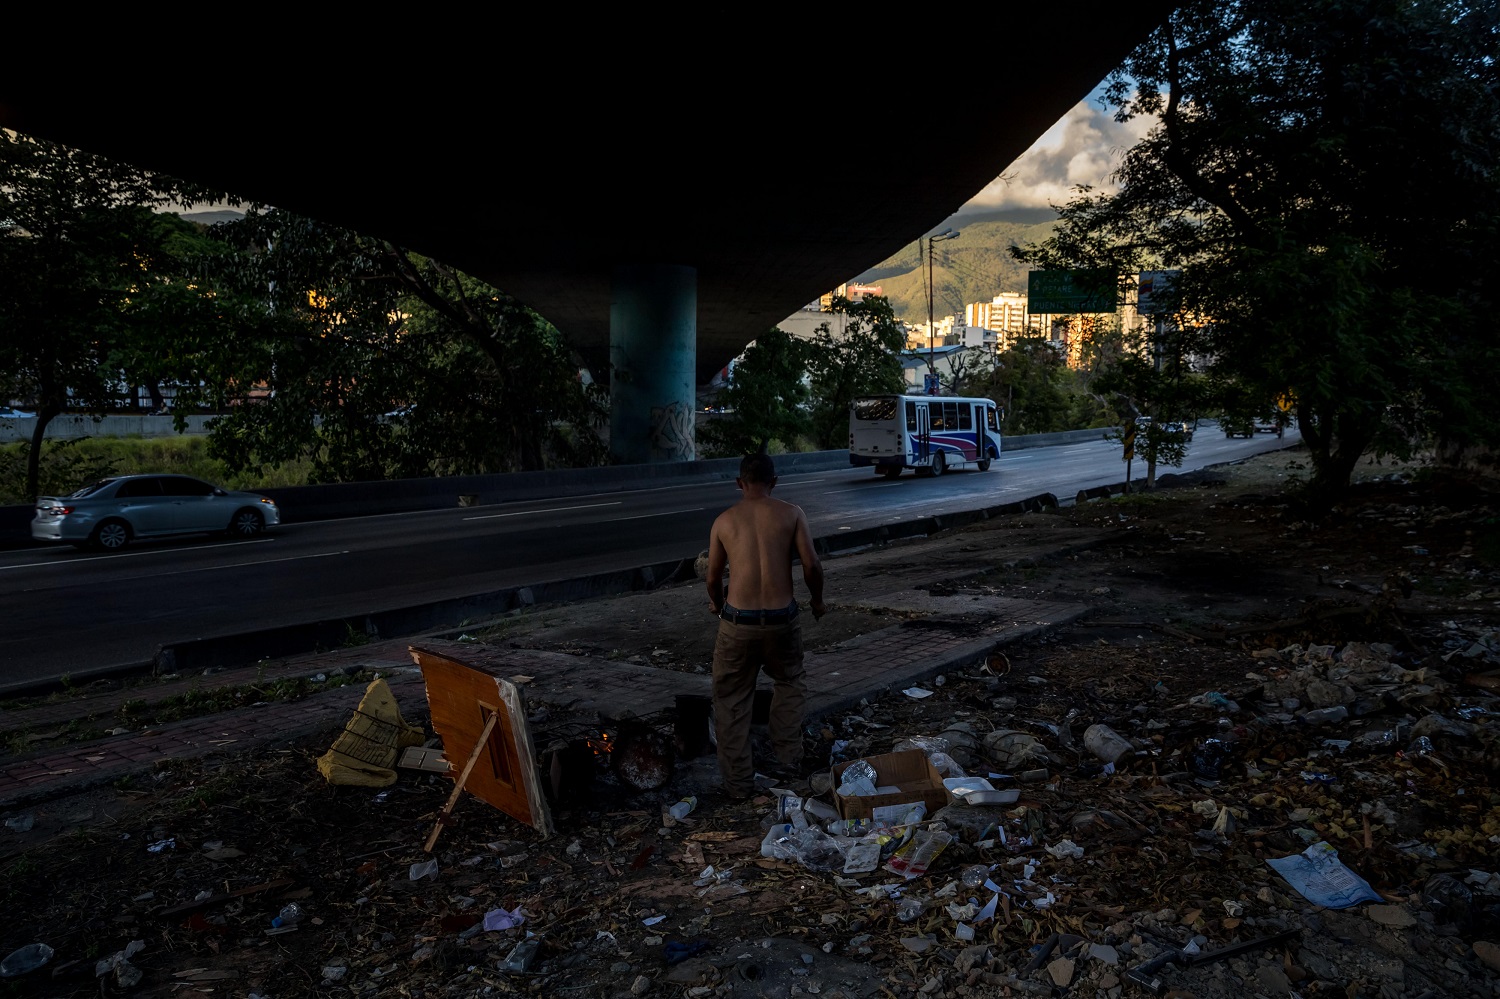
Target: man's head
(757,469)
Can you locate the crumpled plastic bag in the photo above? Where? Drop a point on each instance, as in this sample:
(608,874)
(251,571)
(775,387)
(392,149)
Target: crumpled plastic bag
(810,847)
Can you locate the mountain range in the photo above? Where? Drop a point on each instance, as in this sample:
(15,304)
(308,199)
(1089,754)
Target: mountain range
(973,268)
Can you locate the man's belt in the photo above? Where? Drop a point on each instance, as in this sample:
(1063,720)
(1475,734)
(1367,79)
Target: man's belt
(736,616)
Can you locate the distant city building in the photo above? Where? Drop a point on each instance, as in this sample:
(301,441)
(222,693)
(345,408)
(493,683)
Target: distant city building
(963,335)
(921,336)
(1005,313)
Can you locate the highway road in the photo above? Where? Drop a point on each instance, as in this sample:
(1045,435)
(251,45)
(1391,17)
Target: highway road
(64,611)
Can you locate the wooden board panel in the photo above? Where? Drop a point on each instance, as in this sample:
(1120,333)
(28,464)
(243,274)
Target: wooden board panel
(461,696)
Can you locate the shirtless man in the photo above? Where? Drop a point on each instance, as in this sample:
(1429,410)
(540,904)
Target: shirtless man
(758,624)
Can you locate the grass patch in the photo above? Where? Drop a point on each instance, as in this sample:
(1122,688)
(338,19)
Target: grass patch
(142,712)
(66,465)
(199,701)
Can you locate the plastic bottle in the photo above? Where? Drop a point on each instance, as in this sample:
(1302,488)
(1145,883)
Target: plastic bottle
(819,810)
(28,958)
(908,909)
(290,914)
(1105,743)
(683,808)
(522,955)
(974,876)
(1317,716)
(774,835)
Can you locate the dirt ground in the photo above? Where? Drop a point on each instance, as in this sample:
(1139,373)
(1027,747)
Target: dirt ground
(1279,682)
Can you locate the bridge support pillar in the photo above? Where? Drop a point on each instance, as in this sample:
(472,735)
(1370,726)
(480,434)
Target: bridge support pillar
(653,348)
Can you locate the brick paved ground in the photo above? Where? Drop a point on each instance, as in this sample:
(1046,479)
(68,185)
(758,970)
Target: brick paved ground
(839,676)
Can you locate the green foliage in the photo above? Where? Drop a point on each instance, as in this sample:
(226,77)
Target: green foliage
(62,467)
(764,401)
(862,360)
(785,389)
(79,242)
(1036,391)
(68,464)
(1326,177)
(370,362)
(317,346)
(1149,374)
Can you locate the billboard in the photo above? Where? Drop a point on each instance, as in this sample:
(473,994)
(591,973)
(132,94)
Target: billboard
(1155,291)
(1066,292)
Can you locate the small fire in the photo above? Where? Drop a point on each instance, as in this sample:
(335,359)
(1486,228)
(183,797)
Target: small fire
(603,744)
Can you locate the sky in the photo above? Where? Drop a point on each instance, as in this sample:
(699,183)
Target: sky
(1083,147)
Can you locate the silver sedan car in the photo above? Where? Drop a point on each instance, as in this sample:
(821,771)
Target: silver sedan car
(110,513)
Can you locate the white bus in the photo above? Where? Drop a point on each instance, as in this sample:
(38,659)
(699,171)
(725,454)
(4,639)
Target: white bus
(929,433)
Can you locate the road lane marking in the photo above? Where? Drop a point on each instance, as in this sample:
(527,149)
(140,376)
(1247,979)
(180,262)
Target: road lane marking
(644,516)
(860,489)
(555,509)
(121,555)
(241,565)
(212,568)
(784,482)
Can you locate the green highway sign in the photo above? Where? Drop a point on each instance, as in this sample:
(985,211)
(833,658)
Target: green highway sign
(1065,292)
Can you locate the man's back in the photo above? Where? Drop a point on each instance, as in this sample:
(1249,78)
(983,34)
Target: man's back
(759,536)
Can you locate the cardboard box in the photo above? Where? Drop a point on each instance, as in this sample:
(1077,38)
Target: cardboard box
(910,771)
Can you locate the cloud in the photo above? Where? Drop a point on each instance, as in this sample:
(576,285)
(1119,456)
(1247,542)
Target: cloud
(1083,147)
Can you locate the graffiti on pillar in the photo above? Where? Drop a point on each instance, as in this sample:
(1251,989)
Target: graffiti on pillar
(672,432)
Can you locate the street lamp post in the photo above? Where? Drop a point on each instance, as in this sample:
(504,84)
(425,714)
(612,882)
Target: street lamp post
(931,324)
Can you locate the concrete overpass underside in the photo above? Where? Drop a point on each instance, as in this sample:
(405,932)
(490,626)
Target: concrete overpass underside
(578,174)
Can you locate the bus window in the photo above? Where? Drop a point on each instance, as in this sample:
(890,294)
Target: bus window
(950,415)
(879,409)
(965,417)
(989,412)
(911,417)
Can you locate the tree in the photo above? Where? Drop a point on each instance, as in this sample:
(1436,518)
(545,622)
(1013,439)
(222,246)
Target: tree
(1325,176)
(862,360)
(378,363)
(1036,391)
(972,370)
(78,238)
(1150,375)
(765,399)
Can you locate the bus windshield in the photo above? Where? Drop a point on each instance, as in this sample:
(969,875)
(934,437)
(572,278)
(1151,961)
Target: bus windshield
(875,410)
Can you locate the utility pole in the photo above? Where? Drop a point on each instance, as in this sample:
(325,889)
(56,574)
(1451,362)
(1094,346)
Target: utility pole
(931,323)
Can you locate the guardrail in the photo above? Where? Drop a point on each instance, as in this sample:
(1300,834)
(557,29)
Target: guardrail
(361,499)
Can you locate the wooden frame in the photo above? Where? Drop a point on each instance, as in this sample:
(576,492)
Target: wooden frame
(479,714)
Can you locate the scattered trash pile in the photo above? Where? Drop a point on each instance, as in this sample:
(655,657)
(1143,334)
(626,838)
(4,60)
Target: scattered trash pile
(1226,811)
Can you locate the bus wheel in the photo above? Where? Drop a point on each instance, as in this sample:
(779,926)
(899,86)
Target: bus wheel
(939,464)
(891,471)
(984,464)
